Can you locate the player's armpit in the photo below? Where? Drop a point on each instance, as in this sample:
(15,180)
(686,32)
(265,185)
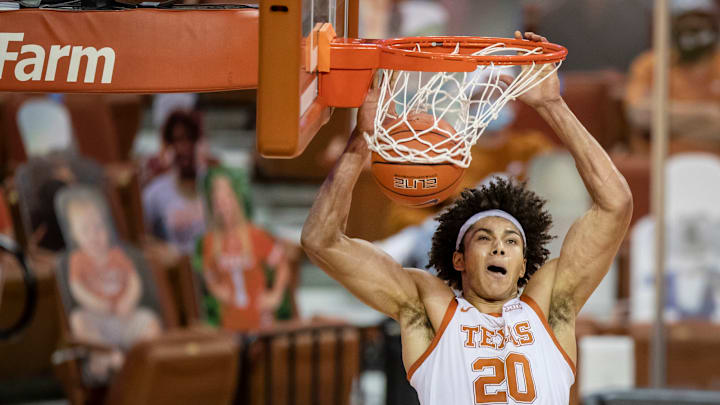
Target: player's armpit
(561,319)
(433,293)
(421,322)
(556,303)
(562,310)
(541,284)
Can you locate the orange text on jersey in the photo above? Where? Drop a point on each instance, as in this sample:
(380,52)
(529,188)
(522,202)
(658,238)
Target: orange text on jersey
(520,334)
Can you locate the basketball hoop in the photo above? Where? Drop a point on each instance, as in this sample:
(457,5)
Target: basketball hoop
(468,101)
(453,79)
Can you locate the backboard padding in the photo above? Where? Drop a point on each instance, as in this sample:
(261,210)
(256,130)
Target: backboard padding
(289,113)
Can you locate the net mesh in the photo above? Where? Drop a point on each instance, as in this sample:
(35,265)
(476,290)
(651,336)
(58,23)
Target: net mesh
(468,101)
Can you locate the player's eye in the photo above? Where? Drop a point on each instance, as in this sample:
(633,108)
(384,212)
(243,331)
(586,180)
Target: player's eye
(512,241)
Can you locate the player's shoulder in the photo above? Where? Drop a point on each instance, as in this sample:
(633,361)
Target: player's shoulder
(426,281)
(541,284)
(434,293)
(545,276)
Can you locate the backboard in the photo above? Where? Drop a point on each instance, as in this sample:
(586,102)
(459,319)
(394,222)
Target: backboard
(289,111)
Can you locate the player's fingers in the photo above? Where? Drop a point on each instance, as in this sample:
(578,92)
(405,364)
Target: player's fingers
(518,35)
(535,37)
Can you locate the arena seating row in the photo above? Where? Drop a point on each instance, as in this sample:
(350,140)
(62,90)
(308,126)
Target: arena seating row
(188,361)
(300,362)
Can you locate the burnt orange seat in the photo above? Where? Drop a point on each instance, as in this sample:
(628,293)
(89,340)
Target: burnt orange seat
(300,362)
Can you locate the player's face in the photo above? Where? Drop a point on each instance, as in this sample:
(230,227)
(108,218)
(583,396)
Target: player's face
(493,259)
(88,228)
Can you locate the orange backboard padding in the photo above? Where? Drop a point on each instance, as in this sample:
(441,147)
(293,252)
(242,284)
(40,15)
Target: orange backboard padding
(282,79)
(289,110)
(128,51)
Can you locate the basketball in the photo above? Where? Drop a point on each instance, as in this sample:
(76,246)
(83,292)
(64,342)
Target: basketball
(417,185)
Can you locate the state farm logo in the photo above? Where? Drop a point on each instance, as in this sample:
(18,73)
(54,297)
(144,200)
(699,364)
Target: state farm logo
(32,62)
(415,183)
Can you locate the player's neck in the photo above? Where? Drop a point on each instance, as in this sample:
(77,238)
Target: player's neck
(487,306)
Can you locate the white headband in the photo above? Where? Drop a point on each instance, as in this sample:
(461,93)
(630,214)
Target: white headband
(484,214)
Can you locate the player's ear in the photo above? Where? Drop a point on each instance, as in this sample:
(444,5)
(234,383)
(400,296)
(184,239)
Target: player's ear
(524,269)
(459,261)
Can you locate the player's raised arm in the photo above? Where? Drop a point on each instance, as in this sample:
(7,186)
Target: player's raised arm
(366,271)
(593,240)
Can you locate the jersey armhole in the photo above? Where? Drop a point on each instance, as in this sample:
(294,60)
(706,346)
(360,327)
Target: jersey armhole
(535,307)
(449,312)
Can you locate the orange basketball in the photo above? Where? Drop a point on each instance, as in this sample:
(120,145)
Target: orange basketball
(417,184)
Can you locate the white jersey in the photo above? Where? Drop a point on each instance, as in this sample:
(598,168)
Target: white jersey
(508,358)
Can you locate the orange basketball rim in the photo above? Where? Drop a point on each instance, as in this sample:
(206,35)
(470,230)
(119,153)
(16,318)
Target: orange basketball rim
(348,64)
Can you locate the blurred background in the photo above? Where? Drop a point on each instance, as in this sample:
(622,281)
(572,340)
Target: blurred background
(181,194)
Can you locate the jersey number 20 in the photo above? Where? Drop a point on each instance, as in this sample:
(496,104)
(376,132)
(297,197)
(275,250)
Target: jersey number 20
(509,368)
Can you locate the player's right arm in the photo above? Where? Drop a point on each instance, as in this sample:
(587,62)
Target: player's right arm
(365,270)
(414,298)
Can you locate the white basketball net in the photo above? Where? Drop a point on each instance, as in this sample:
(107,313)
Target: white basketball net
(467,100)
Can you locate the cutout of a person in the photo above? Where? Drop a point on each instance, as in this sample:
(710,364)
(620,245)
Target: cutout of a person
(105,284)
(235,252)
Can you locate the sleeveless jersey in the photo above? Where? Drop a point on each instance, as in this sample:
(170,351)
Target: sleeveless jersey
(508,358)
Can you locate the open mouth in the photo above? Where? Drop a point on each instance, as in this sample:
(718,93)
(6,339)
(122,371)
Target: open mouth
(497,269)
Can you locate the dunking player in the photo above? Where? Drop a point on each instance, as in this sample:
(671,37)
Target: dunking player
(490,343)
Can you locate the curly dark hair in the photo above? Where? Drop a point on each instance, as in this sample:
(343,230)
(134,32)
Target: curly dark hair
(513,198)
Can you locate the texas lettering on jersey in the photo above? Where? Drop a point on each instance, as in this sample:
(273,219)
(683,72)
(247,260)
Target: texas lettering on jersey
(519,334)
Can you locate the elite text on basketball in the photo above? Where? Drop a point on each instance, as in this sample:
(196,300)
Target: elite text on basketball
(31,60)
(414,183)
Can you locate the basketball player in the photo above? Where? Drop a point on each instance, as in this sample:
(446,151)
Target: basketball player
(494,341)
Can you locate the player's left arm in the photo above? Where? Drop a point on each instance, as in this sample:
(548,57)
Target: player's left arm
(593,240)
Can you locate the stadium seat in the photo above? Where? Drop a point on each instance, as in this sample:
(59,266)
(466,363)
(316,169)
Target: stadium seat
(300,362)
